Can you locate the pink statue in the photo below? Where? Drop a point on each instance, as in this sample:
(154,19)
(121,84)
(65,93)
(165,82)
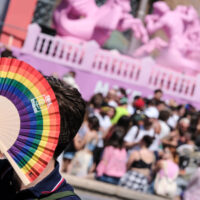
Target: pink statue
(85,20)
(182,27)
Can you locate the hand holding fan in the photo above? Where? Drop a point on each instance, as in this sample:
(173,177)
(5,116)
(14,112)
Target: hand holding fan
(29,118)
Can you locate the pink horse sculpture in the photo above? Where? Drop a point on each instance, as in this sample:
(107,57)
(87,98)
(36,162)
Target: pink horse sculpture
(180,26)
(85,20)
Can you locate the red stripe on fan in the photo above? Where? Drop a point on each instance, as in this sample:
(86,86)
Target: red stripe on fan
(55,188)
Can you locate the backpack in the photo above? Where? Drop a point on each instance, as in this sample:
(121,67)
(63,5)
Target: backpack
(58,195)
(164,185)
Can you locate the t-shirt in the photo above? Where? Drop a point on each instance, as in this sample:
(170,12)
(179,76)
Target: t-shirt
(104,121)
(165,130)
(120,111)
(113,162)
(53,183)
(134,136)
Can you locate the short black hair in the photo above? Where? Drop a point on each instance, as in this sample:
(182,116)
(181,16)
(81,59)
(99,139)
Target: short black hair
(157,91)
(72,110)
(7,53)
(164,115)
(93,123)
(147,140)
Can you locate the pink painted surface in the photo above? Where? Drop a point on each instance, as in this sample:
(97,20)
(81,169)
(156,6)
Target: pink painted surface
(93,64)
(182,27)
(19,14)
(72,17)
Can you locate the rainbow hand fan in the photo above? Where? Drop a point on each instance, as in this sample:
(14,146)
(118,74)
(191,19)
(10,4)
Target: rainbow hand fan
(29,118)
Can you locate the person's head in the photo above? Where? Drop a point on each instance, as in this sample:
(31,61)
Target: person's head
(7,53)
(97,100)
(93,123)
(112,95)
(147,123)
(72,110)
(158,94)
(167,155)
(181,110)
(164,115)
(160,105)
(72,74)
(111,112)
(123,101)
(122,92)
(147,141)
(124,121)
(183,125)
(117,138)
(139,104)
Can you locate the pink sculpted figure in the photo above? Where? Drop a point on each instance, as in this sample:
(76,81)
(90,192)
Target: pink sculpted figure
(178,25)
(85,20)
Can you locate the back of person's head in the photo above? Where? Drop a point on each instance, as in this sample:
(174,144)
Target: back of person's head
(147,140)
(117,138)
(122,92)
(139,104)
(7,53)
(93,123)
(72,110)
(147,123)
(124,121)
(164,115)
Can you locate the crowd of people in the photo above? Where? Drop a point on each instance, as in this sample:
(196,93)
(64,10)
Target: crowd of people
(147,145)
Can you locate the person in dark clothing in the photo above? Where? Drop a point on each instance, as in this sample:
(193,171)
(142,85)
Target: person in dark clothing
(49,184)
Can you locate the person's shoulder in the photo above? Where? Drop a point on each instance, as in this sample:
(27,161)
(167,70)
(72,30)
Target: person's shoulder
(75,197)
(68,192)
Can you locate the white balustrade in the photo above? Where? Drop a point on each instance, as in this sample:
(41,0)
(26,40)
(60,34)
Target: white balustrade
(90,57)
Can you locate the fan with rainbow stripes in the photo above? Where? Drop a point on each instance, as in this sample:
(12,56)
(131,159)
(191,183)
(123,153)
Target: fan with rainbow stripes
(29,118)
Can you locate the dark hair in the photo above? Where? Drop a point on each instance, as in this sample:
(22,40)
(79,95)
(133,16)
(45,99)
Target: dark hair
(93,123)
(124,121)
(97,100)
(73,73)
(147,123)
(164,115)
(7,53)
(147,140)
(136,97)
(117,138)
(123,91)
(157,91)
(72,110)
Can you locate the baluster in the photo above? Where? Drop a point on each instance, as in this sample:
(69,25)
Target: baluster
(103,63)
(123,69)
(58,50)
(172,83)
(178,86)
(78,55)
(72,53)
(45,46)
(39,43)
(52,48)
(159,79)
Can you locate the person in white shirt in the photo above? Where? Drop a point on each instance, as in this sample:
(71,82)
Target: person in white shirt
(163,117)
(137,132)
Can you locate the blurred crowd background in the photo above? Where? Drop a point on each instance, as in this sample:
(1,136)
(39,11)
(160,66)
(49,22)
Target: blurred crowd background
(147,145)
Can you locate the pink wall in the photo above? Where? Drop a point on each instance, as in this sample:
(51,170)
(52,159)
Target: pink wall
(19,14)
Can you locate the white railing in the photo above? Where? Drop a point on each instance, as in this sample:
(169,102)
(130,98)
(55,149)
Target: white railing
(90,57)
